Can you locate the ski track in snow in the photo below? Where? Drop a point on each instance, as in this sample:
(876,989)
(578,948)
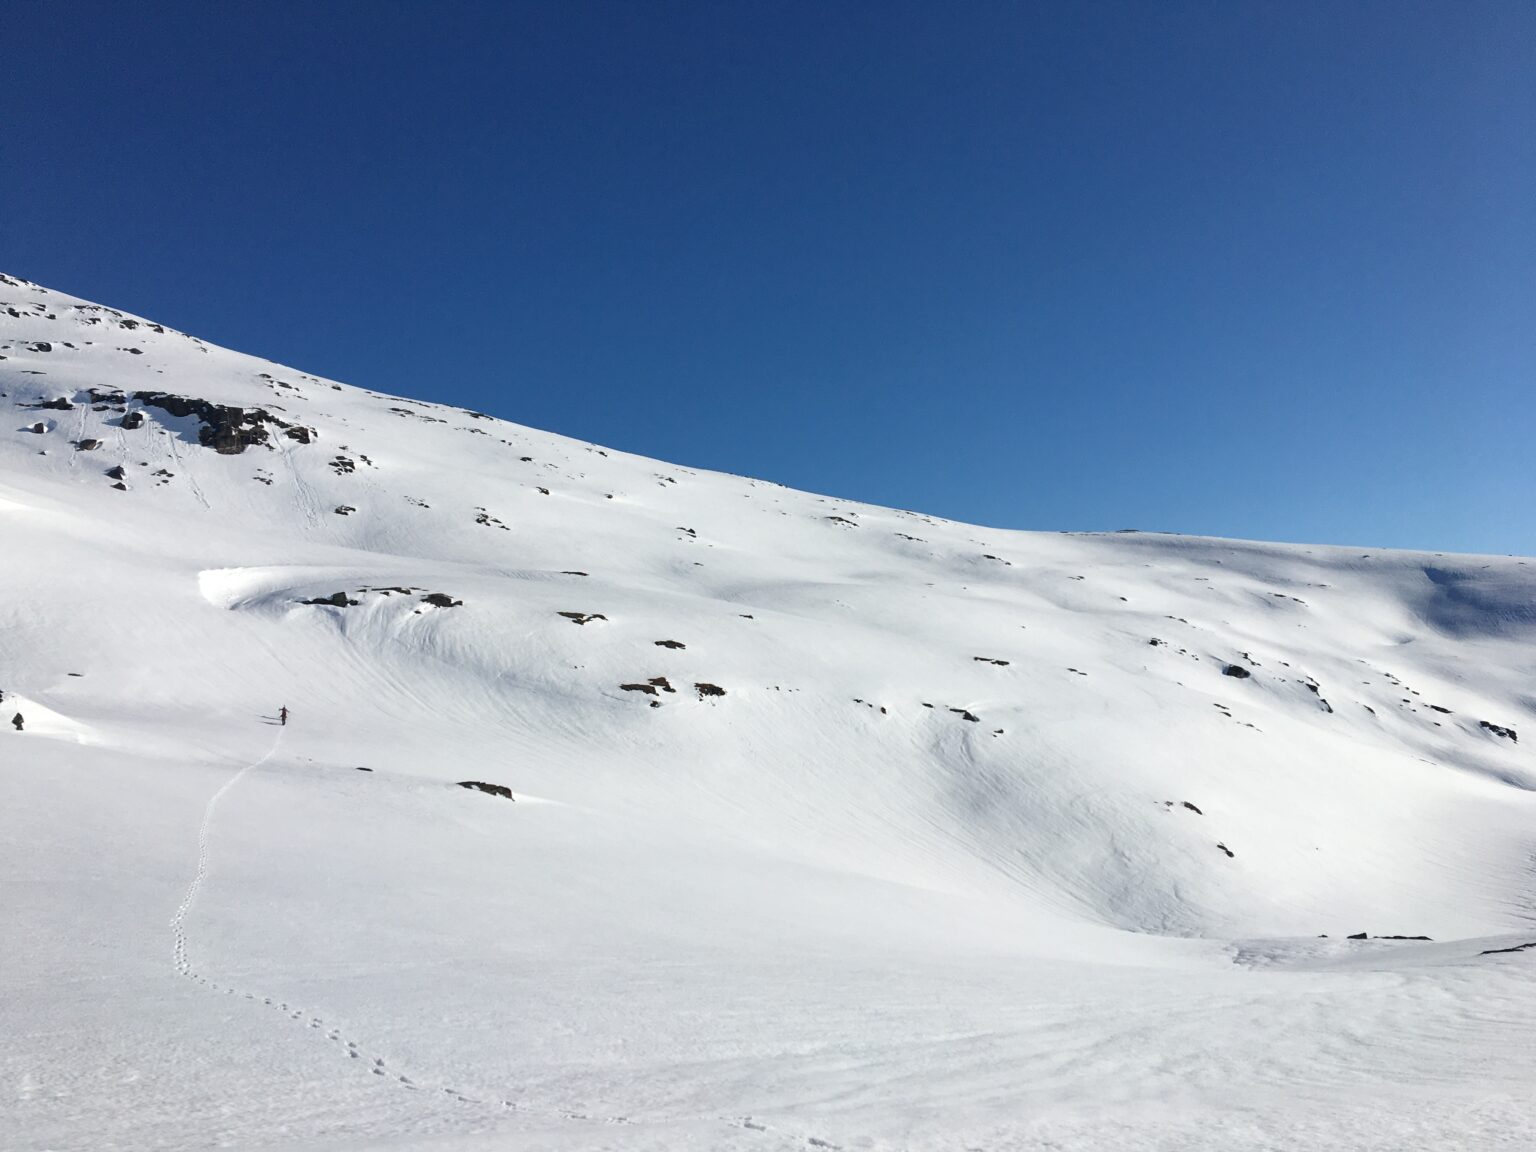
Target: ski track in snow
(304,494)
(377,1065)
(182,469)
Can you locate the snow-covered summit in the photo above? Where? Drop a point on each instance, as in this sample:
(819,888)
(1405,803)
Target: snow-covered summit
(831,793)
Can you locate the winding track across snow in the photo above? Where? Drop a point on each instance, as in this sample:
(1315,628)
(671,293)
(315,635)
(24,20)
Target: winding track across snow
(376,1064)
(179,920)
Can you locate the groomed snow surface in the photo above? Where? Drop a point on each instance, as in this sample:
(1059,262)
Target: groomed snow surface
(992,840)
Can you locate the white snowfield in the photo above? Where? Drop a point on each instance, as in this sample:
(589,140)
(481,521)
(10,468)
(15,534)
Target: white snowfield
(835,827)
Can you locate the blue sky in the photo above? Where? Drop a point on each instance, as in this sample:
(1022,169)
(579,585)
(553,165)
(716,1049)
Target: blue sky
(1248,269)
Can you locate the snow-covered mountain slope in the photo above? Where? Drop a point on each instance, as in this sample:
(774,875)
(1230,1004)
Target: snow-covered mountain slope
(834,826)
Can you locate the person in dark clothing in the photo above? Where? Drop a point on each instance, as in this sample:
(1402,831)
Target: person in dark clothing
(282,714)
(17,720)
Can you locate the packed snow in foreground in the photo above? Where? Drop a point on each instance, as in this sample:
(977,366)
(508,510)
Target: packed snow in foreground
(796,823)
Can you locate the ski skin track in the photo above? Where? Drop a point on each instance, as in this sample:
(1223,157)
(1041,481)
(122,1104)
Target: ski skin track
(376,1064)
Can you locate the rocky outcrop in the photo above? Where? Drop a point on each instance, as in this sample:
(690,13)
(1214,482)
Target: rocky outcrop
(489,789)
(334,600)
(1499,730)
(226,429)
(651,687)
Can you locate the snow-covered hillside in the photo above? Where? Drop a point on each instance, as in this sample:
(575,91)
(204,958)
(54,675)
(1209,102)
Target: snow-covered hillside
(832,826)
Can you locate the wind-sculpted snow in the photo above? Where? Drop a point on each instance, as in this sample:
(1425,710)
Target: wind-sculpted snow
(866,829)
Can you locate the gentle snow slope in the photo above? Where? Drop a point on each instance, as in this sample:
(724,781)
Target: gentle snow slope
(983,844)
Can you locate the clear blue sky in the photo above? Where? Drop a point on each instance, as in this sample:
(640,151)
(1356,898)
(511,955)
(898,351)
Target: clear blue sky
(1252,269)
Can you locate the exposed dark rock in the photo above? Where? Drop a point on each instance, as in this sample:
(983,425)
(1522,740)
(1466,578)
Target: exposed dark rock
(39,428)
(1403,938)
(441,600)
(334,600)
(120,486)
(573,573)
(581,617)
(648,689)
(40,346)
(661,682)
(990,660)
(965,715)
(59,404)
(1227,850)
(133,420)
(1437,708)
(841,520)
(360,768)
(1193,809)
(19,721)
(490,789)
(1356,936)
(87,445)
(226,429)
(344,509)
(709,690)
(1499,951)
(1499,730)
(1236,671)
(116,472)
(300,433)
(678,644)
